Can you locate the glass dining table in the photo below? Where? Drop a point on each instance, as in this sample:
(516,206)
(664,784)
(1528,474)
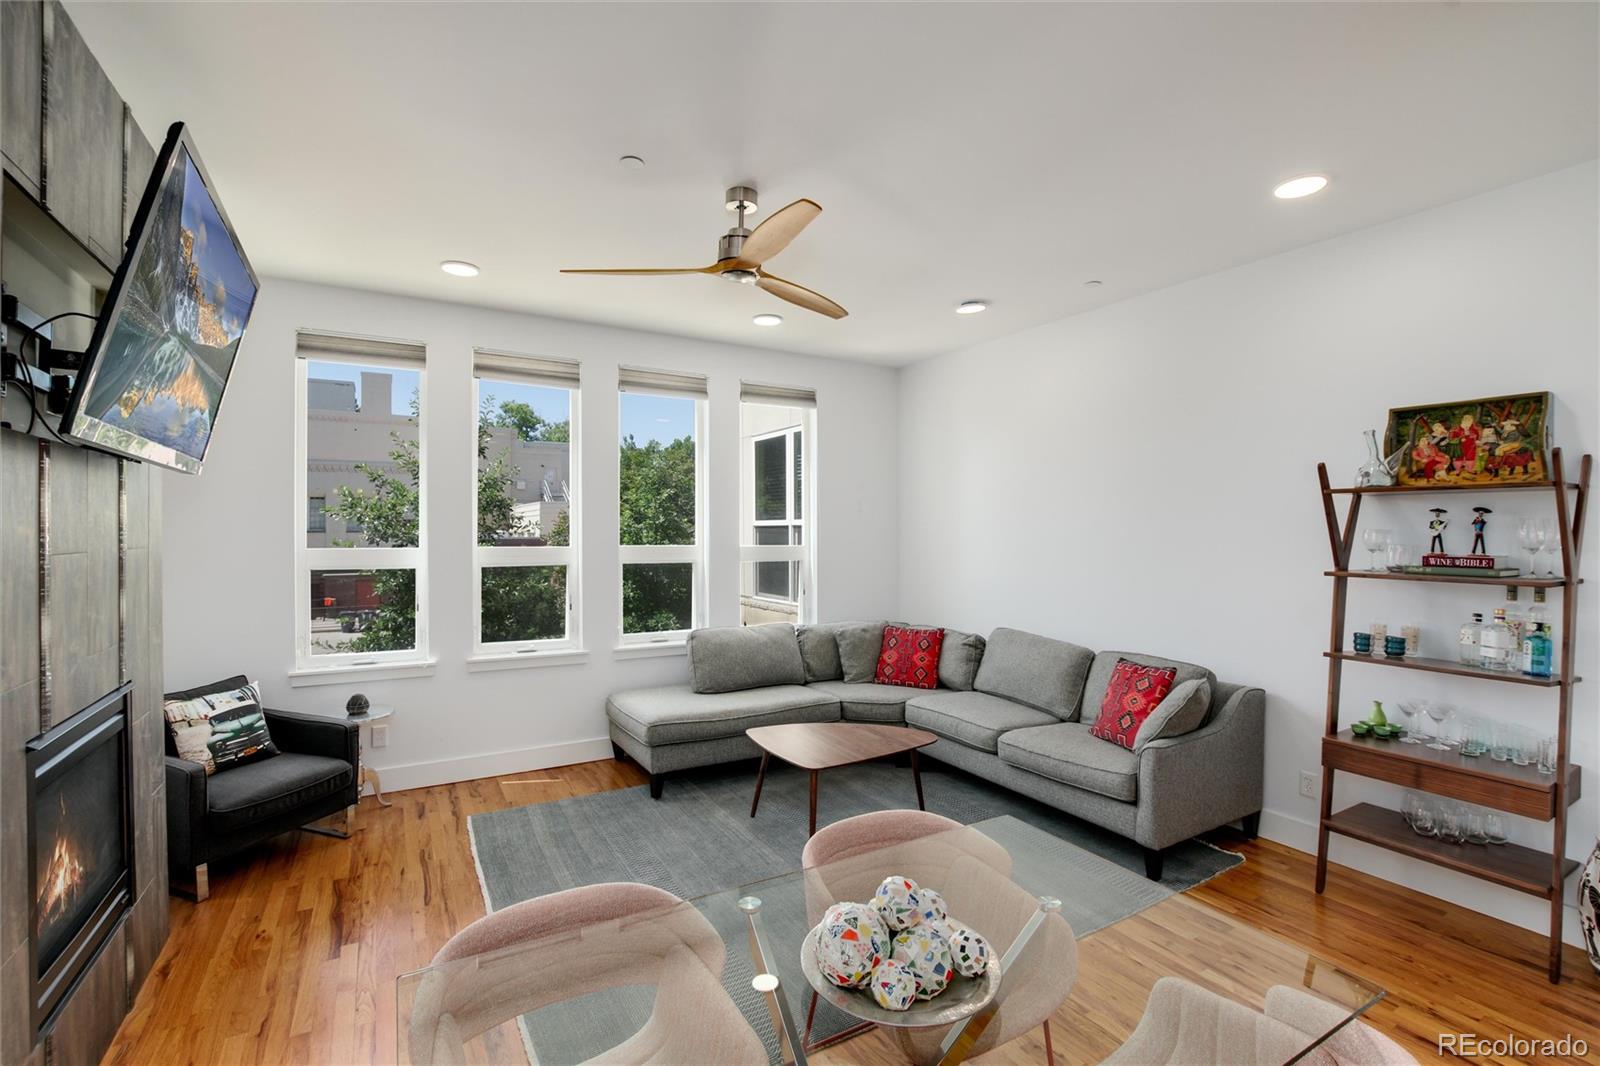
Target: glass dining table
(1103,955)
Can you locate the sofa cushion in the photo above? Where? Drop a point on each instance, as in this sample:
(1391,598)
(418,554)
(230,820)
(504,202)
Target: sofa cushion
(676,714)
(1094,690)
(1067,752)
(958,658)
(735,658)
(867,702)
(859,645)
(909,657)
(1181,712)
(975,719)
(1044,674)
(819,650)
(1132,696)
(263,789)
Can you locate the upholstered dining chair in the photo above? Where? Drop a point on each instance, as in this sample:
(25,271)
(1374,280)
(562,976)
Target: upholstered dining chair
(848,859)
(568,944)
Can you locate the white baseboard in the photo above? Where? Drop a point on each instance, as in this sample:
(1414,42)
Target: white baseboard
(492,764)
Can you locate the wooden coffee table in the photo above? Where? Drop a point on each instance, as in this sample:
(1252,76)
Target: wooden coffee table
(819,746)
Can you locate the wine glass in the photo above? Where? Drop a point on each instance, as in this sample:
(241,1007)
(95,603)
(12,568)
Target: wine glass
(1550,542)
(1375,541)
(1398,555)
(1410,707)
(1531,541)
(1440,713)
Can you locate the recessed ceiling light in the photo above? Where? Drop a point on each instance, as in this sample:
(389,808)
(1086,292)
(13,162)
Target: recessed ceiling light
(460,268)
(972,307)
(768,320)
(1305,185)
(631,162)
(1093,283)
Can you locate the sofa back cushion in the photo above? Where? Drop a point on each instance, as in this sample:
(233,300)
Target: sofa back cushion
(958,658)
(1037,671)
(734,658)
(819,650)
(859,645)
(1105,664)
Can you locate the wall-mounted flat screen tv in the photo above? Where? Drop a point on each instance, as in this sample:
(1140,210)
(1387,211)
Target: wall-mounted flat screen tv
(154,375)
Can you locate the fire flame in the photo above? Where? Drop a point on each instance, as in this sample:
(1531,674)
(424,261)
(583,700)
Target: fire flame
(61,879)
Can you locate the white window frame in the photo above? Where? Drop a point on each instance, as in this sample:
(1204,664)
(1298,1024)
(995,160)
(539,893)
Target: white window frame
(694,554)
(804,553)
(518,555)
(308,559)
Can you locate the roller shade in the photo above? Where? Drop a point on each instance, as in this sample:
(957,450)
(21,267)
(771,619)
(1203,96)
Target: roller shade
(661,382)
(777,395)
(354,349)
(533,369)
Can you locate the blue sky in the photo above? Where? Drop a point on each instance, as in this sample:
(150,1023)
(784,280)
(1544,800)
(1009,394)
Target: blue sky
(405,381)
(656,418)
(552,405)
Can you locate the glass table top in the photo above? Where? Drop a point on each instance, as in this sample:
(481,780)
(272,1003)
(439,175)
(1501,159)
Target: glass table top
(621,973)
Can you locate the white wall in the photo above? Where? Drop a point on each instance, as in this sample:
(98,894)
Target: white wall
(1146,474)
(230,588)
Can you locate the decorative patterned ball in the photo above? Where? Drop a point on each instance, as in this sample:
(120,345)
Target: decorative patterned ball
(931,909)
(968,950)
(851,943)
(926,953)
(893,985)
(898,903)
(357,705)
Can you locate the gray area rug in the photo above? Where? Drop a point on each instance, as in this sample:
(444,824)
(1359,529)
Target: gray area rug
(699,840)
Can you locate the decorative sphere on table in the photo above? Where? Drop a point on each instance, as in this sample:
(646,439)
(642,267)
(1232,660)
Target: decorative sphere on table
(931,908)
(357,705)
(926,953)
(898,903)
(969,952)
(893,986)
(852,942)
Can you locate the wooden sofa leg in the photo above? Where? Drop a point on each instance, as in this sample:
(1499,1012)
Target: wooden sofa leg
(1251,825)
(655,786)
(1152,863)
(617,753)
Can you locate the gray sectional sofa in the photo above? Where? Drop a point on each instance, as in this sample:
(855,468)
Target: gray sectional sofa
(1015,710)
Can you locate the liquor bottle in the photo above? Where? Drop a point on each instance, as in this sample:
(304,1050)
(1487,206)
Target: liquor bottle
(1536,652)
(1471,633)
(1495,646)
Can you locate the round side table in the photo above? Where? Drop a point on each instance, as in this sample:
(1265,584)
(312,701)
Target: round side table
(365,775)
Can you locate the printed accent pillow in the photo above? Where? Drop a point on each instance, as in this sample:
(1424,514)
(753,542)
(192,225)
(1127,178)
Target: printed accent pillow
(909,657)
(1132,696)
(221,729)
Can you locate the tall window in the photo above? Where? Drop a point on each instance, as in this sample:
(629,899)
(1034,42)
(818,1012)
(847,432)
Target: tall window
(359,474)
(661,504)
(525,572)
(776,552)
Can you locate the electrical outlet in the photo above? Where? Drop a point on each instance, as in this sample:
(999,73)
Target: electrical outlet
(1308,784)
(380,739)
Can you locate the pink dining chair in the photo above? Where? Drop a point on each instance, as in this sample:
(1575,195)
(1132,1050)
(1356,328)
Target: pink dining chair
(848,859)
(568,944)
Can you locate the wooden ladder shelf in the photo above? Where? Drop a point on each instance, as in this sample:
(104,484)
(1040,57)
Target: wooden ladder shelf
(1502,786)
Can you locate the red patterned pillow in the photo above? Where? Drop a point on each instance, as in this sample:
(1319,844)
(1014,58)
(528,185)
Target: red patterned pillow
(1134,692)
(909,657)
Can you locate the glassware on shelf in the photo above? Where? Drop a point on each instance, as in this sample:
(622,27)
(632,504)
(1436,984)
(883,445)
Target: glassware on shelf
(1452,823)
(1379,632)
(1550,544)
(1494,827)
(1397,555)
(1531,540)
(1411,708)
(1524,748)
(1419,814)
(1474,736)
(1499,742)
(1477,833)
(1496,644)
(1547,755)
(1375,471)
(1440,713)
(1470,635)
(1537,652)
(1375,541)
(1413,634)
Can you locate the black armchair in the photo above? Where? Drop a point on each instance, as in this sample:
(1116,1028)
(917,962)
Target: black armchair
(313,776)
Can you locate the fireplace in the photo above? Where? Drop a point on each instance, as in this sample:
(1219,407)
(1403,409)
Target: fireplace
(80,845)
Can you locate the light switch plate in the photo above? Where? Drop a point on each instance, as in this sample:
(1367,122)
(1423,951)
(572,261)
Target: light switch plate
(380,734)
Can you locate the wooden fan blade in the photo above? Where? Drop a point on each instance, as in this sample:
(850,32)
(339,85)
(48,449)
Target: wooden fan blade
(667,270)
(774,235)
(801,296)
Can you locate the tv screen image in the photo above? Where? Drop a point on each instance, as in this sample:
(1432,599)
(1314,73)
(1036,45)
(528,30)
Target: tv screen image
(166,340)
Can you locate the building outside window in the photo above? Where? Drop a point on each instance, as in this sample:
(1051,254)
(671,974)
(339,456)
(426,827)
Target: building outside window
(359,462)
(525,572)
(661,504)
(775,500)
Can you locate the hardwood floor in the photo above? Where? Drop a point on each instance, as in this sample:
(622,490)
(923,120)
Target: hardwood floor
(294,957)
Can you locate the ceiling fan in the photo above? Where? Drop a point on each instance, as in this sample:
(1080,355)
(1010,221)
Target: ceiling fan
(742,254)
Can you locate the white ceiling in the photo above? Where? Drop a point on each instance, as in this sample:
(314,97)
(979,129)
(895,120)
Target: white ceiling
(1004,152)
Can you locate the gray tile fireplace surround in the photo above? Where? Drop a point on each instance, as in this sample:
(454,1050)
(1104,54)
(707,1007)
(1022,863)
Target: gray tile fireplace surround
(98,623)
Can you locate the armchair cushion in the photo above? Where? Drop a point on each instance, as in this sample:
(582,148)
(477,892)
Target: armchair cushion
(261,790)
(220,726)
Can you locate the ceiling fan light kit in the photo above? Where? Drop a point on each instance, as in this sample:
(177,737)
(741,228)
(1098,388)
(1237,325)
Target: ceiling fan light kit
(742,253)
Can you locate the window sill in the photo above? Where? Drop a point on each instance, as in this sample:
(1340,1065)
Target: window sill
(650,649)
(385,671)
(524,660)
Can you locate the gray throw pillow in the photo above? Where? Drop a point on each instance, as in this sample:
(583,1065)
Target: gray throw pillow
(859,646)
(819,648)
(735,658)
(1105,664)
(1037,671)
(1180,712)
(959,659)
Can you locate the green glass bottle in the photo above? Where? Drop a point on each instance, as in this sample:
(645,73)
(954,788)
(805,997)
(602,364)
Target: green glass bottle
(1536,652)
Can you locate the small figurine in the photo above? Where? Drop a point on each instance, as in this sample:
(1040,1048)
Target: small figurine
(1437,527)
(1478,524)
